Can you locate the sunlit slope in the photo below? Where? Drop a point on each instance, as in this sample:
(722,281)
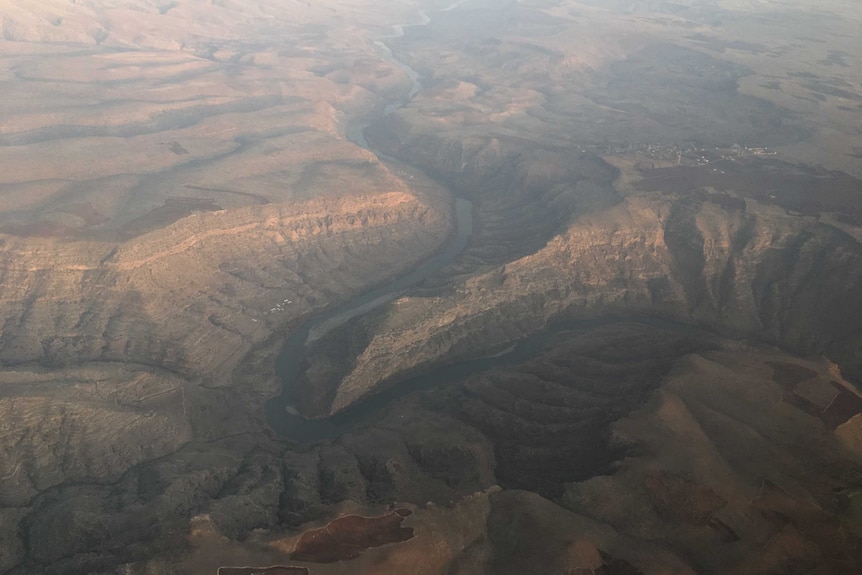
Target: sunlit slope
(172,175)
(178,194)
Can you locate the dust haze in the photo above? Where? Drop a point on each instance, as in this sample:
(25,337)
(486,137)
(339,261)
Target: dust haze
(430,287)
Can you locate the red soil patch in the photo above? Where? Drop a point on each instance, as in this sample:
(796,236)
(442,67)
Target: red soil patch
(347,537)
(277,570)
(614,566)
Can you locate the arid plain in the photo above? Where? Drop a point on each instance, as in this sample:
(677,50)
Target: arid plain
(646,359)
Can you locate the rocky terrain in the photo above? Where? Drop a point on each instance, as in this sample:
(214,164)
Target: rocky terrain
(646,360)
(726,462)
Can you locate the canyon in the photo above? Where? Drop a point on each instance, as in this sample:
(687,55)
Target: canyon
(497,287)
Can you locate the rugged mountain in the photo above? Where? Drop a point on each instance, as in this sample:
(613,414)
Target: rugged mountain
(645,360)
(731,458)
(717,260)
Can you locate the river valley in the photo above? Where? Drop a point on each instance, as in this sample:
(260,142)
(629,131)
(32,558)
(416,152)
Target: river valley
(503,288)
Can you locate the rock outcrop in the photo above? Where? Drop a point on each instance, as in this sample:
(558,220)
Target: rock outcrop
(642,362)
(756,272)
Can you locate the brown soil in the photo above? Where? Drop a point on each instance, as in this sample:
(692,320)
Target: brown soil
(347,537)
(277,570)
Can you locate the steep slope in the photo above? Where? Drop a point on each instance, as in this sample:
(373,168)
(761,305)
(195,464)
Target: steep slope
(755,272)
(732,474)
(180,192)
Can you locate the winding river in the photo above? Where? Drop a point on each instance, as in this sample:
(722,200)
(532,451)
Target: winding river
(287,423)
(283,418)
(367,410)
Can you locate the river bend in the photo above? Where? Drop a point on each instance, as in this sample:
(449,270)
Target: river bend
(280,416)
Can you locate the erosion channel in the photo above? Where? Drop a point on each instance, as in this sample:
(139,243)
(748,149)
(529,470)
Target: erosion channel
(281,417)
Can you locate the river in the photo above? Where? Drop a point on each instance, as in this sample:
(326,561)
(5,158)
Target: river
(368,410)
(286,421)
(282,417)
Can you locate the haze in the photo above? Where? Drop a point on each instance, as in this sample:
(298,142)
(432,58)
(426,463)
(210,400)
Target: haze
(430,287)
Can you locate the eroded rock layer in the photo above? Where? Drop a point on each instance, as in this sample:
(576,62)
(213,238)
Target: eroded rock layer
(645,360)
